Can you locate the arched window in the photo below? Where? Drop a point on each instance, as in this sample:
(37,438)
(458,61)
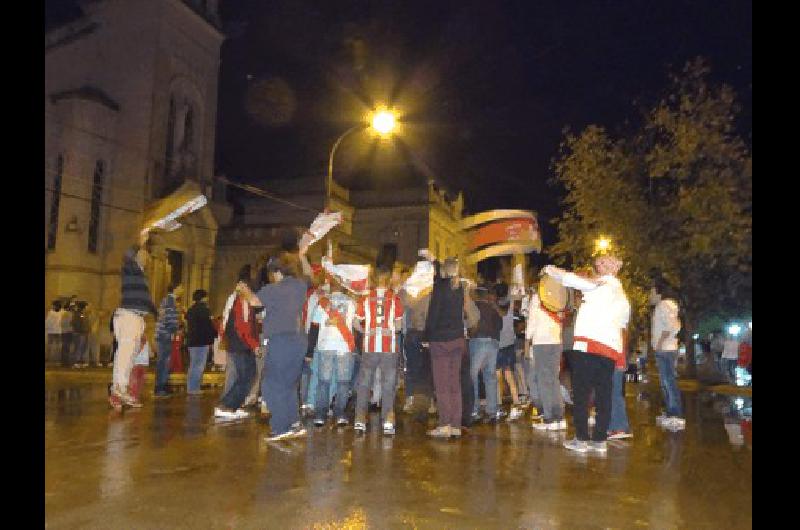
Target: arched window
(170,138)
(188,128)
(97,197)
(52,225)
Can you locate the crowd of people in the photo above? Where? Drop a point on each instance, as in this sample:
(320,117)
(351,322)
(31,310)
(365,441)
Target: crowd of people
(305,340)
(71,329)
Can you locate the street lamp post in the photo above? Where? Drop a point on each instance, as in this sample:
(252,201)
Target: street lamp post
(329,179)
(382,121)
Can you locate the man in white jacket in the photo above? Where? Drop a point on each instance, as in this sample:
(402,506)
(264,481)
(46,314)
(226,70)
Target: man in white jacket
(665,326)
(597,347)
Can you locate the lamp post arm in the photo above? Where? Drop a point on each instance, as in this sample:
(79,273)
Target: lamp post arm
(329,180)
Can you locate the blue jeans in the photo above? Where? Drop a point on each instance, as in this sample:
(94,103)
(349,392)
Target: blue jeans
(335,370)
(665,360)
(547,366)
(162,363)
(243,364)
(483,359)
(619,416)
(283,365)
(198,355)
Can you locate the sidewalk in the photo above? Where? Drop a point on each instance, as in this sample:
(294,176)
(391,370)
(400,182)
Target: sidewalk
(704,383)
(104,374)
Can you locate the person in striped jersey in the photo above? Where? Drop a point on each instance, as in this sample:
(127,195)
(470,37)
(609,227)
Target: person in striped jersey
(380,315)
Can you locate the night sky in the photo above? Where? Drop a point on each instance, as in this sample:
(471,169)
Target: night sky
(485,87)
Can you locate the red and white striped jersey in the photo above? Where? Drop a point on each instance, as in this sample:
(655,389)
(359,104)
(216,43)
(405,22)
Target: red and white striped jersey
(380,313)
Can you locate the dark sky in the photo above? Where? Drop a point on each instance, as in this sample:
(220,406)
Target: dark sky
(485,87)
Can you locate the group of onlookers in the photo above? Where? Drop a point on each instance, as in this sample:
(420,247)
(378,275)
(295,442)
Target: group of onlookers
(71,326)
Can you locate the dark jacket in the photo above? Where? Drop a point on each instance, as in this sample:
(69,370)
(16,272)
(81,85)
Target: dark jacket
(199,329)
(490,324)
(445,320)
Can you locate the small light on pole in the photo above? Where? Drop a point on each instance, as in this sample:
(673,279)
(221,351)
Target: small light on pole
(602,245)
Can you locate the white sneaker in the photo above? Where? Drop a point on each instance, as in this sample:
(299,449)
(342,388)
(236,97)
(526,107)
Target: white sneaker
(598,447)
(281,436)
(515,414)
(388,428)
(620,435)
(298,432)
(222,413)
(360,427)
(576,445)
(341,422)
(674,423)
(557,425)
(241,413)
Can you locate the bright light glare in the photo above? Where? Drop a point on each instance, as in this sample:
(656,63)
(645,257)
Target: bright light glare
(383,121)
(602,244)
(734,329)
(696,336)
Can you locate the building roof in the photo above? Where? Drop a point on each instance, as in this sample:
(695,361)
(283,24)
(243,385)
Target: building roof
(89,93)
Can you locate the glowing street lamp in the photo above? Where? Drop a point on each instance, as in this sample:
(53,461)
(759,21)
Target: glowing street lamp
(382,121)
(602,245)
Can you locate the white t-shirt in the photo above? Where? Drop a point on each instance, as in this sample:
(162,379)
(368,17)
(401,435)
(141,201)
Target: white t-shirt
(330,338)
(665,318)
(507,335)
(52,324)
(541,328)
(730,349)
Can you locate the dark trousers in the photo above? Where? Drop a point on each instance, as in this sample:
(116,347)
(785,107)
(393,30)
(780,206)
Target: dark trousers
(414,361)
(591,372)
(446,360)
(370,362)
(244,365)
(66,349)
(467,390)
(280,379)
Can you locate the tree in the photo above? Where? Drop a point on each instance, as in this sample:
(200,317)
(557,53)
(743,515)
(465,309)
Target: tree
(675,196)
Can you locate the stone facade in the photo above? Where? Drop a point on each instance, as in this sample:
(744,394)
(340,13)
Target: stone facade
(130,113)
(411,219)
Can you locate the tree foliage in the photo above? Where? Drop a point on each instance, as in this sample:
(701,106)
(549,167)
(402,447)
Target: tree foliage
(674,195)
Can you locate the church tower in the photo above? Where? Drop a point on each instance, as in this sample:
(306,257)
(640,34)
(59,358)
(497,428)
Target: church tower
(131,98)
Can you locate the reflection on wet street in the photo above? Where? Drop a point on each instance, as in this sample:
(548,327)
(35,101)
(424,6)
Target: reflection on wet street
(170,465)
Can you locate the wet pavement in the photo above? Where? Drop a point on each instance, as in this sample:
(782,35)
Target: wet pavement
(170,465)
